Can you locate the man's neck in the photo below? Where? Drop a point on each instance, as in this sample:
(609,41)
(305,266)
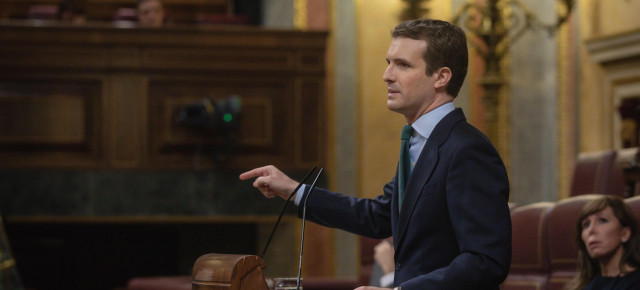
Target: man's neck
(439,101)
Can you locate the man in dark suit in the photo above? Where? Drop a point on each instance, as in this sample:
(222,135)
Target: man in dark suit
(449,219)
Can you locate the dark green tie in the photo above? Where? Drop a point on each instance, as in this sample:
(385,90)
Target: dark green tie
(404,165)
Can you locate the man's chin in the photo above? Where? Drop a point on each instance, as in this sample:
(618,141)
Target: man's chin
(392,107)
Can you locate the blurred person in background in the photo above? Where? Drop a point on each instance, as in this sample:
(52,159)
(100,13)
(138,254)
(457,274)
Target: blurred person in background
(150,13)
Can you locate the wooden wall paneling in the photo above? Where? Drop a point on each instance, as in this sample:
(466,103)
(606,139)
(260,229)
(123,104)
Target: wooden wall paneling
(224,59)
(110,96)
(34,120)
(143,77)
(310,131)
(125,119)
(24,56)
(125,57)
(310,90)
(311,61)
(50,122)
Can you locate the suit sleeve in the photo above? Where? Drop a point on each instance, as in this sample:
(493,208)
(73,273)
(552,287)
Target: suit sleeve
(477,192)
(362,216)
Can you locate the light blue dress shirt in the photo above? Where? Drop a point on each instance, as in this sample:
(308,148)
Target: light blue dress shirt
(422,130)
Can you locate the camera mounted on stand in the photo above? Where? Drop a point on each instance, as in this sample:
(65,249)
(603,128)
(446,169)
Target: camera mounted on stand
(214,117)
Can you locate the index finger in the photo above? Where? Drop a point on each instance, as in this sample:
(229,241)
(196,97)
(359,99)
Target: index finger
(253,173)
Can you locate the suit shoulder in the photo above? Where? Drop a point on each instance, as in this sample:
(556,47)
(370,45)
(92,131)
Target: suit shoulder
(464,131)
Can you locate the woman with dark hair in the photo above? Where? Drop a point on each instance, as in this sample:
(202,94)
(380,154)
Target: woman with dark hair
(608,238)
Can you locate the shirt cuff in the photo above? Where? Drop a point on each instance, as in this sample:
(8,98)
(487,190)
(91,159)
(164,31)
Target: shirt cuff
(299,194)
(386,280)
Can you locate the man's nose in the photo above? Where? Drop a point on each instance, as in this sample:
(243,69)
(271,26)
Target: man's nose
(388,77)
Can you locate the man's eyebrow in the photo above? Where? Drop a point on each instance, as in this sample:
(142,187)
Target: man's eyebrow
(398,59)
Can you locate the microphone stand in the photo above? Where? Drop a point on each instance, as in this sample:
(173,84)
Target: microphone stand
(264,251)
(304,216)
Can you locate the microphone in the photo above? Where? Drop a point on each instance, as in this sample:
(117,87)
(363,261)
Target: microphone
(285,207)
(304,216)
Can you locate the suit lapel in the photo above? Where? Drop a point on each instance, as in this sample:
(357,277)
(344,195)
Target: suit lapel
(424,169)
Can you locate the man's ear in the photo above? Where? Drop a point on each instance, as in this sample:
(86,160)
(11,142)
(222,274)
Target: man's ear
(443,76)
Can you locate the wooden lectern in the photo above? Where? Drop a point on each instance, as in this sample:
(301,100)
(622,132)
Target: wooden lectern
(228,272)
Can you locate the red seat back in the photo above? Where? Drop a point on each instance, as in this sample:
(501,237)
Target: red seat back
(592,173)
(529,259)
(563,251)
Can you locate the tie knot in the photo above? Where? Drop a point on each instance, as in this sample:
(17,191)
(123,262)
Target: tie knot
(407,131)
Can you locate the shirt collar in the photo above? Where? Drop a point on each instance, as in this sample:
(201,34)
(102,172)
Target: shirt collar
(427,122)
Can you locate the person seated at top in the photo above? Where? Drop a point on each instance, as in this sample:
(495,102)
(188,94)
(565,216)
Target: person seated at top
(609,243)
(72,11)
(150,13)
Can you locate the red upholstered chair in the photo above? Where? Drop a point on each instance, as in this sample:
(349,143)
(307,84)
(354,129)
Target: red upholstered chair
(529,258)
(329,283)
(592,173)
(160,283)
(126,14)
(563,251)
(634,204)
(42,11)
(623,159)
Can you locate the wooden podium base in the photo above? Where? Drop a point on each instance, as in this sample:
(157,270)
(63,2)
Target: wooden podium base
(235,272)
(225,271)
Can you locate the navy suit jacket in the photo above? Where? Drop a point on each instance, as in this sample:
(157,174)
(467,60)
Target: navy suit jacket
(454,228)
